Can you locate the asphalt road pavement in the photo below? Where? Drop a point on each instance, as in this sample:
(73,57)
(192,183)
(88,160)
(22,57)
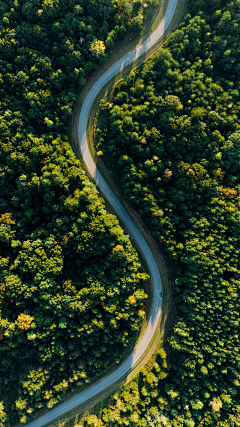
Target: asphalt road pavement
(133,231)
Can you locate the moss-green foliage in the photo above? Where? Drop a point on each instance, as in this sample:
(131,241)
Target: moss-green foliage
(70,298)
(174,131)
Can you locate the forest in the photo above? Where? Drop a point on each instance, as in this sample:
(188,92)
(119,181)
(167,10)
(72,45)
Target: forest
(170,134)
(71,287)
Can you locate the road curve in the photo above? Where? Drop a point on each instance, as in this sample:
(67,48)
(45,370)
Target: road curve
(133,231)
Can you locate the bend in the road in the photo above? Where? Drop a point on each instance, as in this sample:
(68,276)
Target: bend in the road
(132,229)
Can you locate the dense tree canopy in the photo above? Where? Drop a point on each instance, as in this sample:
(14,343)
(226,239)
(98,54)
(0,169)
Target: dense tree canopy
(70,285)
(173,136)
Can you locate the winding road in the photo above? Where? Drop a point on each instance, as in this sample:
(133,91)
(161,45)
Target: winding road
(133,231)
